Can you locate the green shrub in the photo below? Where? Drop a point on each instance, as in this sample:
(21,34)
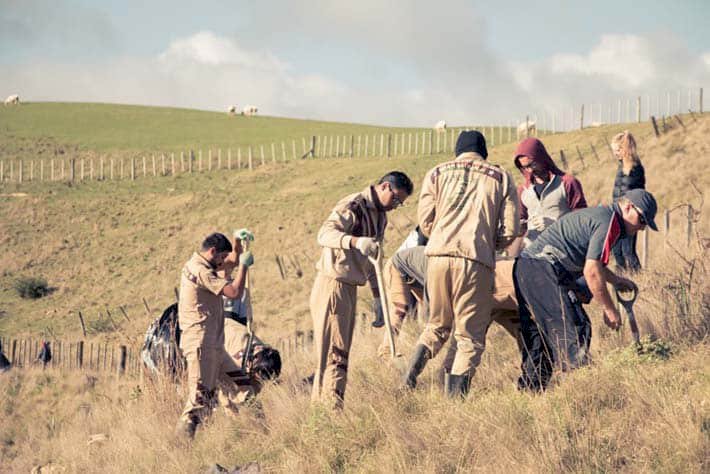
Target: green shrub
(32,288)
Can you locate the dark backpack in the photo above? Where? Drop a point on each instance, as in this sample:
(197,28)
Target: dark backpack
(161,347)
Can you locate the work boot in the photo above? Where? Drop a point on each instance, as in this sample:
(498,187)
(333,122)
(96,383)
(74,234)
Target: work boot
(421,356)
(185,429)
(457,385)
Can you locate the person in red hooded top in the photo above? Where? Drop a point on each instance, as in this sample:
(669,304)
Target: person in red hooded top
(547,194)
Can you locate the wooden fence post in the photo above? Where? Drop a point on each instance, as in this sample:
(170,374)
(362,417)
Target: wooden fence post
(638,109)
(689,230)
(313,146)
(655,126)
(209,159)
(594,151)
(83,326)
(283,151)
(700,101)
(229,158)
(219,158)
(261,149)
(72,169)
(581,118)
(666,222)
(80,354)
(251,166)
(13,352)
(431,142)
(581,158)
(563,159)
(133,168)
(122,360)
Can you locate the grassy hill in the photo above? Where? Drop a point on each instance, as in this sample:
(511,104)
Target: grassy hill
(35,129)
(104,244)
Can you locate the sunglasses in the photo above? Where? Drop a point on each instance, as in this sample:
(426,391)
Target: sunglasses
(396,201)
(530,166)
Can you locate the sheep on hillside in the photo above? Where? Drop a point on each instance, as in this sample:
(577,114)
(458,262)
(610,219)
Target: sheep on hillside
(249,110)
(232,110)
(440,126)
(13,99)
(527,129)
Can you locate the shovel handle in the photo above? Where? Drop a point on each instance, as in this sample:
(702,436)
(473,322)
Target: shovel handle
(377,263)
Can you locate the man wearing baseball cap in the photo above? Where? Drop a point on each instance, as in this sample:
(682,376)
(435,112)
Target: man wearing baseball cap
(579,243)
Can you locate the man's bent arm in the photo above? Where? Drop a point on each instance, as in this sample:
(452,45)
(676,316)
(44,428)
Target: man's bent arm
(596,275)
(235,288)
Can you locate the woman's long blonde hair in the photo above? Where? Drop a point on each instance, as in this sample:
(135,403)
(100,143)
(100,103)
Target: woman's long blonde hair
(627,149)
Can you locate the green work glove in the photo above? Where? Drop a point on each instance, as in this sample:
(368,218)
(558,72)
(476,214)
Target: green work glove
(246,259)
(244,234)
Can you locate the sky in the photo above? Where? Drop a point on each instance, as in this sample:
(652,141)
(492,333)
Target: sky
(397,62)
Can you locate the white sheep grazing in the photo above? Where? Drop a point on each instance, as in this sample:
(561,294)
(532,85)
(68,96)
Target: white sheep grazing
(440,126)
(249,110)
(526,129)
(232,110)
(12,100)
(596,124)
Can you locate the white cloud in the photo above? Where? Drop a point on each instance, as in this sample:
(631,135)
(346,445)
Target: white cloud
(623,58)
(455,77)
(207,48)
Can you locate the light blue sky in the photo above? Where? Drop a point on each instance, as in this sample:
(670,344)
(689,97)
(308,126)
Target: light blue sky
(409,62)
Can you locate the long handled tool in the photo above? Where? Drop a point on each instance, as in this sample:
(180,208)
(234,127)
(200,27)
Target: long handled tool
(384,299)
(628,304)
(246,305)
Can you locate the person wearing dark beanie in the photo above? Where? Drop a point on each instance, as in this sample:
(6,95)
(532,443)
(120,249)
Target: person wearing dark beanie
(468,208)
(472,141)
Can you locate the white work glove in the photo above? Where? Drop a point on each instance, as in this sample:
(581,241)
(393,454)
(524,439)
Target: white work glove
(244,234)
(539,223)
(246,259)
(367,246)
(379,314)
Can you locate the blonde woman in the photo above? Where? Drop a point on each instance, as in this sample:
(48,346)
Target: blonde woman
(630,175)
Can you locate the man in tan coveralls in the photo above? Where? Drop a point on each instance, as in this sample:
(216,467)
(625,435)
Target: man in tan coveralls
(468,209)
(201,319)
(352,233)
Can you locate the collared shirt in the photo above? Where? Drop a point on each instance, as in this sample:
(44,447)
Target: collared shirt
(578,236)
(200,311)
(468,208)
(357,215)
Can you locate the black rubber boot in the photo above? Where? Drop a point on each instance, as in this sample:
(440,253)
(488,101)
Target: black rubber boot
(457,385)
(421,356)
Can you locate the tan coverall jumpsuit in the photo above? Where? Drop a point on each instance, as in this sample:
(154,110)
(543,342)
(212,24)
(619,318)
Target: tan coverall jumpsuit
(209,366)
(468,208)
(340,270)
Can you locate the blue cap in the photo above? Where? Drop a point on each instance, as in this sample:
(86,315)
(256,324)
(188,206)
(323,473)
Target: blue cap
(644,202)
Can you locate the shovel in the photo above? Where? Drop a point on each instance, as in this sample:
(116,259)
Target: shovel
(378,264)
(628,305)
(246,304)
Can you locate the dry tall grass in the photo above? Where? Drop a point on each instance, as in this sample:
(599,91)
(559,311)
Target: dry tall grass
(625,412)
